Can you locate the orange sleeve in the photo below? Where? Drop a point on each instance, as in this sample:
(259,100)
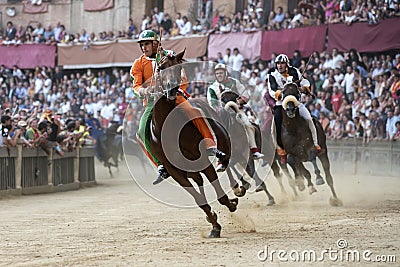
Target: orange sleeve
(136,75)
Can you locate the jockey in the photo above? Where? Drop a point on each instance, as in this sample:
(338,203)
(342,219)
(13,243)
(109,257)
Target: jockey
(225,83)
(142,71)
(276,80)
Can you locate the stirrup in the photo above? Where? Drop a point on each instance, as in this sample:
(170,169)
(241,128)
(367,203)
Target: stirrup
(220,167)
(162,175)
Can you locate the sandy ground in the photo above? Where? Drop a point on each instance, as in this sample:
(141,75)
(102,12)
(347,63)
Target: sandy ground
(116,224)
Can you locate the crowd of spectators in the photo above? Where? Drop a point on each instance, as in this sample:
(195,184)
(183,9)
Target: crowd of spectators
(356,96)
(252,18)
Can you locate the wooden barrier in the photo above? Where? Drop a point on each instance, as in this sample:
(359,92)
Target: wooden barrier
(30,171)
(374,158)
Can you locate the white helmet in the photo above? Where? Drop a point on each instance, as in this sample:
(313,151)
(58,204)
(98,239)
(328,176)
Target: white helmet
(282,58)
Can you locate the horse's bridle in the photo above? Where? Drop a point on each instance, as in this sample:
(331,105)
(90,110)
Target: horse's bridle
(170,86)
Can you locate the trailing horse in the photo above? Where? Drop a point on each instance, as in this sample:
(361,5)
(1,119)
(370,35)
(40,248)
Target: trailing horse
(178,144)
(297,141)
(109,148)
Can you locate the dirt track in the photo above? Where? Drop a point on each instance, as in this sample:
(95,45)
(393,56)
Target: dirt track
(116,224)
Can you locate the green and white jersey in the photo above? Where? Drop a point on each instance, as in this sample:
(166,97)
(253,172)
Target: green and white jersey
(216,89)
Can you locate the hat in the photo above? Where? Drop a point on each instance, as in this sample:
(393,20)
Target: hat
(259,10)
(22,124)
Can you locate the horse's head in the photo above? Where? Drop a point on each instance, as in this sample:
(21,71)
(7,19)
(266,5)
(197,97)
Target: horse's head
(228,95)
(291,96)
(170,74)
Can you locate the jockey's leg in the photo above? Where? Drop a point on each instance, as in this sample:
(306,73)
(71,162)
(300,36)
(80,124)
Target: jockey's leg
(197,117)
(204,128)
(143,137)
(143,133)
(278,126)
(250,132)
(307,116)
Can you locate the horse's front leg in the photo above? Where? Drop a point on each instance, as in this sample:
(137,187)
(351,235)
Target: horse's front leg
(181,178)
(223,199)
(307,175)
(299,180)
(238,191)
(334,201)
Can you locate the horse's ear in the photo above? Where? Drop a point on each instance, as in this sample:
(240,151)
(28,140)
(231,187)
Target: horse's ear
(179,56)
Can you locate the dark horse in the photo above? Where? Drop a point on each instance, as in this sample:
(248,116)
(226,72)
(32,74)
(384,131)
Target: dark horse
(109,148)
(241,152)
(180,146)
(297,140)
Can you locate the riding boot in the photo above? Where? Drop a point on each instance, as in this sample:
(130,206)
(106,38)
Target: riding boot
(256,153)
(220,167)
(213,151)
(162,174)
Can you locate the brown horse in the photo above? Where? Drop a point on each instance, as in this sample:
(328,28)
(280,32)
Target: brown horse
(178,144)
(297,140)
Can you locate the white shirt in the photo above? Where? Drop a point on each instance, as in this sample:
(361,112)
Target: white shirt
(347,82)
(237,61)
(186,29)
(228,60)
(38,85)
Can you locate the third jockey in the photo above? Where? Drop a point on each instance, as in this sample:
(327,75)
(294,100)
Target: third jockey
(276,79)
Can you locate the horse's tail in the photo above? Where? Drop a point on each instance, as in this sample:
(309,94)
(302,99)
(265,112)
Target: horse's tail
(232,105)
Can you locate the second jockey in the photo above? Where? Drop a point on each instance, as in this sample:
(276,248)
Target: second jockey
(225,83)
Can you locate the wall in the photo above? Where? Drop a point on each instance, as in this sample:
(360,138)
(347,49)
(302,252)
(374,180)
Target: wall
(71,14)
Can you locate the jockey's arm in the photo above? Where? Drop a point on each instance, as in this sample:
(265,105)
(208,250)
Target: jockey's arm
(212,98)
(304,84)
(242,92)
(137,80)
(272,86)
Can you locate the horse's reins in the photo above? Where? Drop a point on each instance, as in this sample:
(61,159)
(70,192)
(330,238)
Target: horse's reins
(156,65)
(302,75)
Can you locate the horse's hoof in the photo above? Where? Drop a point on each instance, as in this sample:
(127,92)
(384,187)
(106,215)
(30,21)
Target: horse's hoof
(240,191)
(215,233)
(233,204)
(319,181)
(271,202)
(312,190)
(335,202)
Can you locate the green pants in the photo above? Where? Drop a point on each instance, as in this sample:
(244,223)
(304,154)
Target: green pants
(144,130)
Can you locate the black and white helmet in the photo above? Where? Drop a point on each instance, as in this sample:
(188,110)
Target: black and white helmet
(282,58)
